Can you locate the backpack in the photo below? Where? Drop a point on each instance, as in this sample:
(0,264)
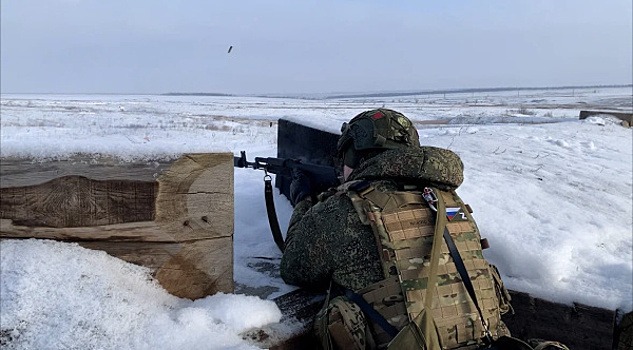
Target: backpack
(411,228)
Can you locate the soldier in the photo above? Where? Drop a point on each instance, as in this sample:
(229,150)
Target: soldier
(373,244)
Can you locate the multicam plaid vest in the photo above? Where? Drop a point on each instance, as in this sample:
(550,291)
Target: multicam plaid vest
(404,225)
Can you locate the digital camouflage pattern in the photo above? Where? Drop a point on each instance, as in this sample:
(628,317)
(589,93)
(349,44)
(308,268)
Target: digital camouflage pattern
(428,166)
(328,241)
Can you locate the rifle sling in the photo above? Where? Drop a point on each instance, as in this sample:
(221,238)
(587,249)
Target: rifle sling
(429,331)
(371,312)
(272,214)
(463,274)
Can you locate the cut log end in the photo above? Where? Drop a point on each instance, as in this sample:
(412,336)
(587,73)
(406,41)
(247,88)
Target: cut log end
(176,219)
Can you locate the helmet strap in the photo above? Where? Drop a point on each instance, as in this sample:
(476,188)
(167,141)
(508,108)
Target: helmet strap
(350,157)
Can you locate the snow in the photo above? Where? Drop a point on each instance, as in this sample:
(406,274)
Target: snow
(553,195)
(58,296)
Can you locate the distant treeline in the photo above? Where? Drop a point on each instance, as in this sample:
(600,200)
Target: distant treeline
(195,94)
(401,93)
(471,90)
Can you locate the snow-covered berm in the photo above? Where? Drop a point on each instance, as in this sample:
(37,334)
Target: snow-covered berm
(553,195)
(61,296)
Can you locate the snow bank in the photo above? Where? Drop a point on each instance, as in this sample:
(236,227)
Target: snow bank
(58,296)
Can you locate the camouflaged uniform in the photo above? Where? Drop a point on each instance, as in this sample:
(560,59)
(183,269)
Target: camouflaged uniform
(328,241)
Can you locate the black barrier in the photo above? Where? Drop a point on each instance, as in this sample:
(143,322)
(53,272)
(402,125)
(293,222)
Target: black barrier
(296,141)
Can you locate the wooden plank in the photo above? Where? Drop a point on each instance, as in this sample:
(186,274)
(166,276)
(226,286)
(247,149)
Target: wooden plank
(175,217)
(29,171)
(76,201)
(300,305)
(185,269)
(193,198)
(577,326)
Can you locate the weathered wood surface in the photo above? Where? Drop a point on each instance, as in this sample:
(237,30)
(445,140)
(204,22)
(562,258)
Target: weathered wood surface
(175,217)
(28,172)
(300,305)
(625,117)
(577,326)
(76,201)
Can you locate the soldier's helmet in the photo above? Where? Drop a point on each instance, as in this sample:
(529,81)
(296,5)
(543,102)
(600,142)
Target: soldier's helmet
(375,130)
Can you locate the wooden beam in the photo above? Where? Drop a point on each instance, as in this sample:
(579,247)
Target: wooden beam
(577,326)
(76,201)
(300,305)
(173,216)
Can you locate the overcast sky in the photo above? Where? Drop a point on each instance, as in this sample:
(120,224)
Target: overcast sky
(157,46)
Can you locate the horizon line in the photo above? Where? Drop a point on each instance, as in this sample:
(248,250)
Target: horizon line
(340,94)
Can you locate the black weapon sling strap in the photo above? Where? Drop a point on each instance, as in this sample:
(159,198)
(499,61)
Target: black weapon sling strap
(272,214)
(370,312)
(461,269)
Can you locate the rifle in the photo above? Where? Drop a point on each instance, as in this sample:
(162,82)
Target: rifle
(321,177)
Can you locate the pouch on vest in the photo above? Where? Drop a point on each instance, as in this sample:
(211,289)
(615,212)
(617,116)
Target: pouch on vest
(502,293)
(341,325)
(405,226)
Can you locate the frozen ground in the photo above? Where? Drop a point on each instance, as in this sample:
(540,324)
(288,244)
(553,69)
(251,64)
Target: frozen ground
(552,194)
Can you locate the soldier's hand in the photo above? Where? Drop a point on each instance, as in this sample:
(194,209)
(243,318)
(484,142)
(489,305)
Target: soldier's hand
(300,187)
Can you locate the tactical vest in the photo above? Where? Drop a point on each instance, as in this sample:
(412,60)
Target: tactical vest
(406,225)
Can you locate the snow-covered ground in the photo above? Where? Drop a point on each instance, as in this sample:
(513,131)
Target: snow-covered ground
(553,195)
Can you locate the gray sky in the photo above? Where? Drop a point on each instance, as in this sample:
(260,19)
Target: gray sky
(305,46)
